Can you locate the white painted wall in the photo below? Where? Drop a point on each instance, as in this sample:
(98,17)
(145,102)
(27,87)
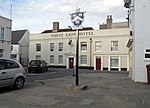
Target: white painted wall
(140,23)
(6,44)
(24,44)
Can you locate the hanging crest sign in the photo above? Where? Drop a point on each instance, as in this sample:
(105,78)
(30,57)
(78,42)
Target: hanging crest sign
(77,18)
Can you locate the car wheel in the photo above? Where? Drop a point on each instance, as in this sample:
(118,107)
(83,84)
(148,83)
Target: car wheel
(19,83)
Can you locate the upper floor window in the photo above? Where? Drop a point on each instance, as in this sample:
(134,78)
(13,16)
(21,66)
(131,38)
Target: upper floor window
(2,34)
(83,46)
(98,46)
(51,46)
(38,47)
(114,45)
(60,46)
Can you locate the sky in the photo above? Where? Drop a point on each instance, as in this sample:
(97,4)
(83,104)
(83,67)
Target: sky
(39,15)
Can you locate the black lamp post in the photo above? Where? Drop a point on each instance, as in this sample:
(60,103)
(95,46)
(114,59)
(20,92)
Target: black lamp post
(77,58)
(77,19)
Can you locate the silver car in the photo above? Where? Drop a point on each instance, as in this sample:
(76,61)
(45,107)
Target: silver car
(11,73)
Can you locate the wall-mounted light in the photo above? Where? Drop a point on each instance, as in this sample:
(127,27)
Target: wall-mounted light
(70,41)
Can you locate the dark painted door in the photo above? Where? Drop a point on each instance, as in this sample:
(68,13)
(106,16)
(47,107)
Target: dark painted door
(71,62)
(98,63)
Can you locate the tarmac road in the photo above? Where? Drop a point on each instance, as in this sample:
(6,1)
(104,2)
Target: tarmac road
(105,90)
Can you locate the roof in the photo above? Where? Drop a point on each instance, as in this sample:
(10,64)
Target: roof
(120,25)
(66,30)
(17,35)
(5,18)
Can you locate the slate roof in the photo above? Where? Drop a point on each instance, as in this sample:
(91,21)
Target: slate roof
(17,35)
(66,30)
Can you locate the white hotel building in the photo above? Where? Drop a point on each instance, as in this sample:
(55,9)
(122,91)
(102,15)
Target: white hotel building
(103,49)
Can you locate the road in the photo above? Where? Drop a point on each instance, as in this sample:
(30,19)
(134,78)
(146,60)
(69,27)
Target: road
(50,74)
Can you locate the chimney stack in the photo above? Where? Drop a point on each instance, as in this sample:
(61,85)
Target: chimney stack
(55,26)
(109,21)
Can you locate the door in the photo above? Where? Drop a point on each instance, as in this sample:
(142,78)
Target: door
(71,62)
(11,69)
(98,63)
(3,74)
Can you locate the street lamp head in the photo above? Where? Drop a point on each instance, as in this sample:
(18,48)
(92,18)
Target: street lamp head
(70,41)
(127,3)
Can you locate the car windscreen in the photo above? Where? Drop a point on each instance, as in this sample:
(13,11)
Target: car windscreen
(35,62)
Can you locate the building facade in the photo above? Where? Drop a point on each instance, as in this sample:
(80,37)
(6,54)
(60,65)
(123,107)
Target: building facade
(139,38)
(5,37)
(20,46)
(103,49)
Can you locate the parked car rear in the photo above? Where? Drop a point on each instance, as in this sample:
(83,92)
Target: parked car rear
(11,73)
(37,66)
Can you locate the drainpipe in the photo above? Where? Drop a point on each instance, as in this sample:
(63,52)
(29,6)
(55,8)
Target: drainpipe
(90,51)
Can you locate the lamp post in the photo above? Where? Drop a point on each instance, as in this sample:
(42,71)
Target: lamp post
(77,58)
(77,18)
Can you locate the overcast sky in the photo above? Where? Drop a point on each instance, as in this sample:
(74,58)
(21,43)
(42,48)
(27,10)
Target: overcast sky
(38,15)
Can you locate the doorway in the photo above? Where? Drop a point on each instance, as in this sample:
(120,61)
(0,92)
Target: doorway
(98,63)
(71,62)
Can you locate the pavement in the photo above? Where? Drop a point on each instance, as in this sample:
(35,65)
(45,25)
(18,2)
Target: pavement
(105,90)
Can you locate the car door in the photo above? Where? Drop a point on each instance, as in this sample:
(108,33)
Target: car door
(3,74)
(12,69)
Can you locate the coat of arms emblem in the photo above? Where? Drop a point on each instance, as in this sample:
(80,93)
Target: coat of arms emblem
(77,18)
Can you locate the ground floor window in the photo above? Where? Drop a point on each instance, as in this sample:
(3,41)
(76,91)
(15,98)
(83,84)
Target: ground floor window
(1,52)
(114,62)
(52,59)
(147,54)
(60,59)
(38,57)
(13,56)
(83,59)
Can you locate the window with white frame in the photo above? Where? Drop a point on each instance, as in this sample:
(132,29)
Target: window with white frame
(1,52)
(38,47)
(52,59)
(114,45)
(83,46)
(60,59)
(2,34)
(147,53)
(51,46)
(60,46)
(114,62)
(98,46)
(83,59)
(38,57)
